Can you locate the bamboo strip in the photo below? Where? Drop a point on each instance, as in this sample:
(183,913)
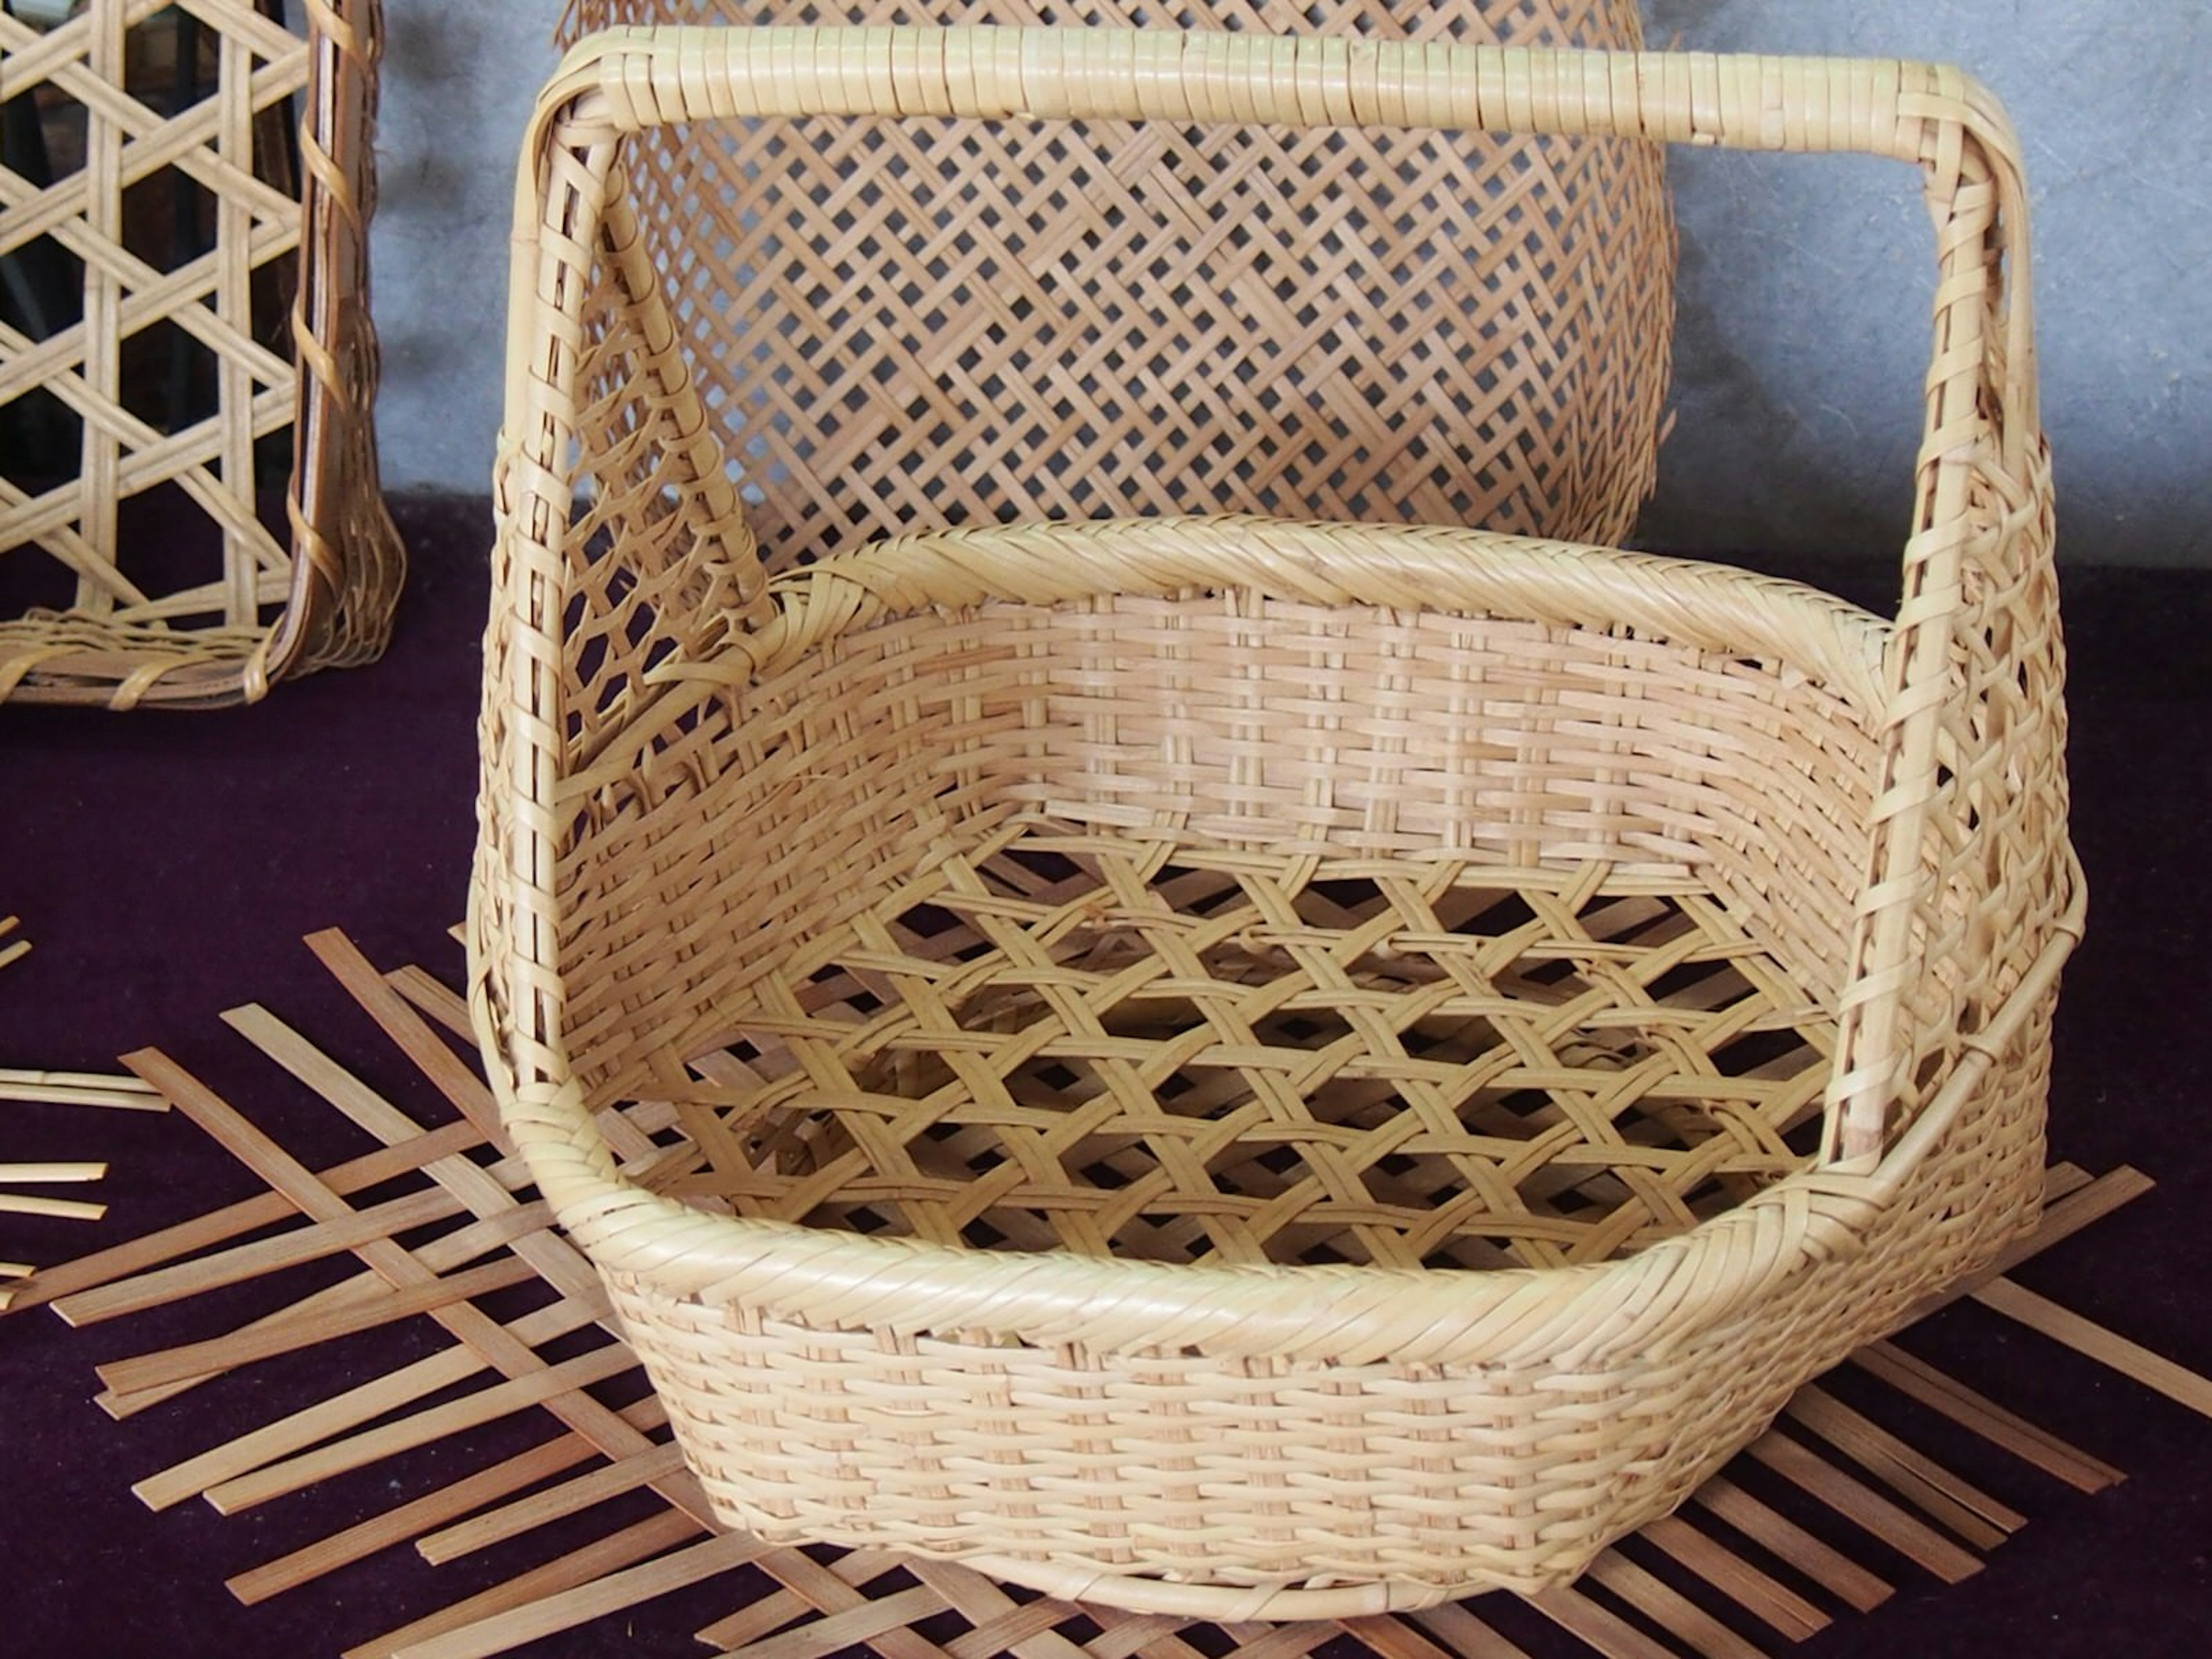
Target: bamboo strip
(433,1510)
(1855,1500)
(557,1260)
(262,1210)
(499,1633)
(611,1554)
(830,1590)
(839,1585)
(496,1345)
(1918,1380)
(543,1386)
(125,1094)
(540,1507)
(267,1255)
(42,1174)
(1757,1592)
(869,1617)
(1462,1633)
(2061,1221)
(67,1209)
(1672,1611)
(1967,1511)
(1856,1586)
(362,1403)
(1602,1630)
(437,1256)
(2038,1313)
(228,1352)
(460,1083)
(433,998)
(1030,1630)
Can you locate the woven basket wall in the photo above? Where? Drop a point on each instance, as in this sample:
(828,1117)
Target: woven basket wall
(1230,1066)
(959,323)
(189,284)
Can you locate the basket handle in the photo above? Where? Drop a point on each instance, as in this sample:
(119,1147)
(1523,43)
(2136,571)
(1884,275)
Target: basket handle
(1981,515)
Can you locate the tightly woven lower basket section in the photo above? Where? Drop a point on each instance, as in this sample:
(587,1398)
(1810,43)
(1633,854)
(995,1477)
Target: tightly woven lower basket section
(1230,1106)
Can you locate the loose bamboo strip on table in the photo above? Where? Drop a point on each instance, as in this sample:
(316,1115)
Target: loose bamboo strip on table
(1897,1497)
(1918,1380)
(1856,1587)
(53,1088)
(120,1093)
(416,1518)
(2039,1313)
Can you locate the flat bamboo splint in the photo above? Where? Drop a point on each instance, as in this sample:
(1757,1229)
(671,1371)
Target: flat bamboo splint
(19,1087)
(154,238)
(452,1221)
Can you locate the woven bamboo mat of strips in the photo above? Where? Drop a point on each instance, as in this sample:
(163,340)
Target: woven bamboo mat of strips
(22,1092)
(421,1277)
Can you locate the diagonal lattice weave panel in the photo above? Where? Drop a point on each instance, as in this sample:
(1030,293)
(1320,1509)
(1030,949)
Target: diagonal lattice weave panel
(1185,1055)
(902,325)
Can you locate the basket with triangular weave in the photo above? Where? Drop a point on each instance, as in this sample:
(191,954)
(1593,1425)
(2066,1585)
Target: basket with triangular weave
(1245,1067)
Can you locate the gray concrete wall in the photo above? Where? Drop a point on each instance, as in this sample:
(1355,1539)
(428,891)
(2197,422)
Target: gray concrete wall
(1803,293)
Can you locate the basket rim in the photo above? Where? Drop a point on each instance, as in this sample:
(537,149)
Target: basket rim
(1344,1314)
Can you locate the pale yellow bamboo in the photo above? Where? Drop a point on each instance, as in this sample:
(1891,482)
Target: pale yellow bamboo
(79,1089)
(333,579)
(1106,962)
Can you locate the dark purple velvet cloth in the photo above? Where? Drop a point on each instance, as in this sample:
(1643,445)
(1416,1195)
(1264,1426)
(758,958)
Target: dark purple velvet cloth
(165,867)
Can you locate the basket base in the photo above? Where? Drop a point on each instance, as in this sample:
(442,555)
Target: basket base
(1061,1040)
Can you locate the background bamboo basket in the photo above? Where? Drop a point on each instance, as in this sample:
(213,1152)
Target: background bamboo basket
(1232,1067)
(961,322)
(187,279)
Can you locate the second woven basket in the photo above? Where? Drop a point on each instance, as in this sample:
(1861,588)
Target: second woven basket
(1247,1068)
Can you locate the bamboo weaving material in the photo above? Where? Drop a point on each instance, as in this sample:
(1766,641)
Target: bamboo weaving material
(966,321)
(1238,1068)
(18,1087)
(135,628)
(598,1518)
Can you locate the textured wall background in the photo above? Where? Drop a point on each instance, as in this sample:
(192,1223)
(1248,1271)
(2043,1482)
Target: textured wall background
(1802,335)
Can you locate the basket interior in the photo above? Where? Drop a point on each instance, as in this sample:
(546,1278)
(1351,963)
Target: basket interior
(1061,1041)
(1415,940)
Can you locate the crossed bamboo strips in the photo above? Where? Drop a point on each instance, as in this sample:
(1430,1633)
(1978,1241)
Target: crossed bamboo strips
(902,325)
(1059,1040)
(1822,1518)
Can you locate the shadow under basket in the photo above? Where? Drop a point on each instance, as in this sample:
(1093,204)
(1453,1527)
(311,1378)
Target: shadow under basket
(1251,1069)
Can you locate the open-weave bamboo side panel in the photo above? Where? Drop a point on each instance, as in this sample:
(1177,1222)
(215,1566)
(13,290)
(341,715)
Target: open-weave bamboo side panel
(491,1320)
(903,324)
(23,1091)
(183,206)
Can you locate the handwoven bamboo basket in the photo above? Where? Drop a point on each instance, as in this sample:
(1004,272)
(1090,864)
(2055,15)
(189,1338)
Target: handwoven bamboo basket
(130,622)
(1239,1067)
(1238,318)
